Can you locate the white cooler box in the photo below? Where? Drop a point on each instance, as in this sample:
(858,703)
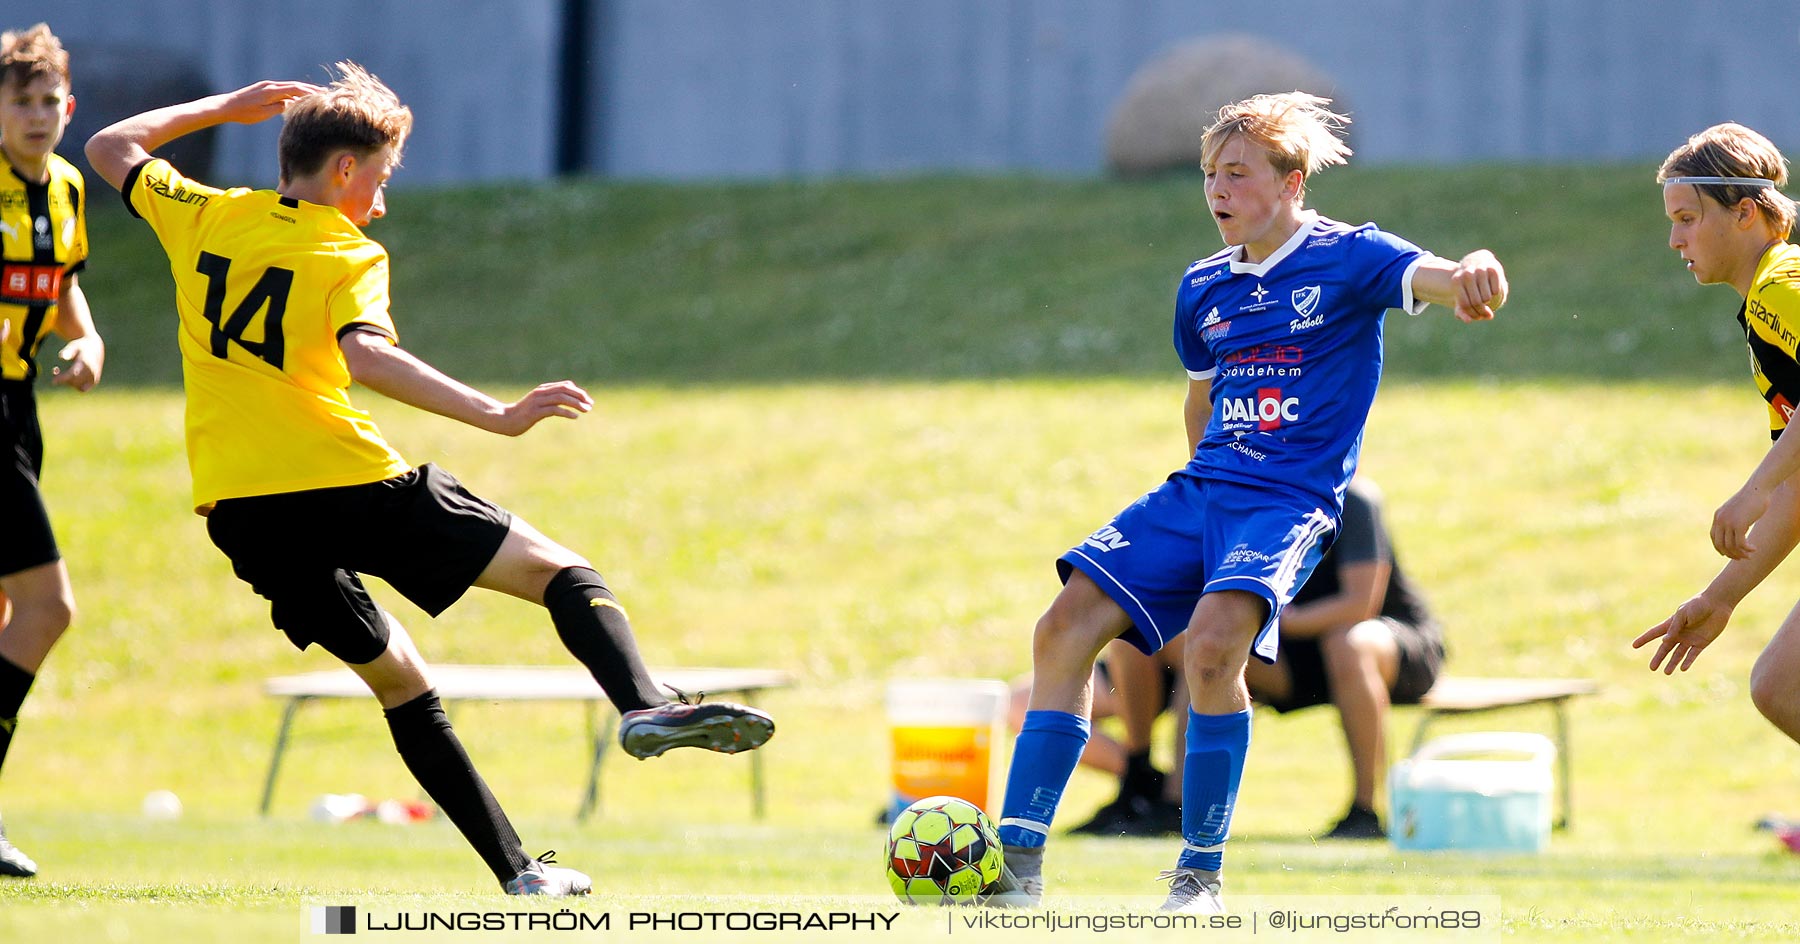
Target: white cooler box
(1454,794)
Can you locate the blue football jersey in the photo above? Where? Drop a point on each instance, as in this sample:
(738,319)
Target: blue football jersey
(1292,346)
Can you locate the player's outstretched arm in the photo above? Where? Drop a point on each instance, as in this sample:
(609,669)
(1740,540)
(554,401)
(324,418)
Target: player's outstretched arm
(1362,588)
(1731,523)
(1700,620)
(384,367)
(117,148)
(84,356)
(1474,287)
(1694,625)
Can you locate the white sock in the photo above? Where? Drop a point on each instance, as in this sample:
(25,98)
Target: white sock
(1025,861)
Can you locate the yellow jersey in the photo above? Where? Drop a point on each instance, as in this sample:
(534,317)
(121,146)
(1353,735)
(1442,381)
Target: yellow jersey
(43,240)
(1771,322)
(265,285)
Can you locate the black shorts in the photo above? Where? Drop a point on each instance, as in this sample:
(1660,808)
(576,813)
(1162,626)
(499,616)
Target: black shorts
(1168,676)
(25,537)
(1421,651)
(422,532)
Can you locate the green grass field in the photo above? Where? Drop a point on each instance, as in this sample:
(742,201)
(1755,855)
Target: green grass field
(958,278)
(889,506)
(857,533)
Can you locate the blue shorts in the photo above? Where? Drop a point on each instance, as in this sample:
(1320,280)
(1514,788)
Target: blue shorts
(1191,536)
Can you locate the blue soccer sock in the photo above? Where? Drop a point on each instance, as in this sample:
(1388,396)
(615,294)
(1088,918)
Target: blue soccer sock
(1044,755)
(1216,745)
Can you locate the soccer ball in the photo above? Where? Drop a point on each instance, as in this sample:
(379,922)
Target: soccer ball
(942,851)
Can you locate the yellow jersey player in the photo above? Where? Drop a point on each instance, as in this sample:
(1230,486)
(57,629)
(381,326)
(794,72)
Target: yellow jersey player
(283,301)
(43,247)
(1730,222)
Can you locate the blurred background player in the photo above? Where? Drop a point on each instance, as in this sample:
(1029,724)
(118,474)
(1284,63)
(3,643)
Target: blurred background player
(43,248)
(1280,333)
(282,302)
(1730,222)
(1358,636)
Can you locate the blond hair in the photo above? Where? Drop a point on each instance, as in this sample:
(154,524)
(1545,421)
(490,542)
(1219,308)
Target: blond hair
(356,112)
(1732,150)
(25,56)
(1296,128)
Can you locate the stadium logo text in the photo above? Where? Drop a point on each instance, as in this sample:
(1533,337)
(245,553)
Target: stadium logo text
(161,188)
(1756,309)
(1268,409)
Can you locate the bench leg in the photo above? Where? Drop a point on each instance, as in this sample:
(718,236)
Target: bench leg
(1419,733)
(281,741)
(757,803)
(1564,764)
(756,784)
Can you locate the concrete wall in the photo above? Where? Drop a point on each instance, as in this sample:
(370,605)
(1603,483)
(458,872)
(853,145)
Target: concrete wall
(687,89)
(695,88)
(479,76)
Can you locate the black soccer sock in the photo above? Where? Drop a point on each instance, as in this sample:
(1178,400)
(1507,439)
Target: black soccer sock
(14,683)
(431,750)
(594,627)
(1141,777)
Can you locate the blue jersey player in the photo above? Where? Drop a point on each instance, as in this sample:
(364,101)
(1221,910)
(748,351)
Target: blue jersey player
(1280,333)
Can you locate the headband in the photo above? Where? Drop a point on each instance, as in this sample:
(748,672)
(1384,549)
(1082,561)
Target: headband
(1724,181)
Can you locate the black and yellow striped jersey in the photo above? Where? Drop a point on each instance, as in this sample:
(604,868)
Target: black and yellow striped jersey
(1771,322)
(265,285)
(43,241)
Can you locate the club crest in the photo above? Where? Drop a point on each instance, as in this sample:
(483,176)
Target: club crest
(1305,300)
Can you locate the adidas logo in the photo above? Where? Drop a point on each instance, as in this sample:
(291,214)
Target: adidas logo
(1212,318)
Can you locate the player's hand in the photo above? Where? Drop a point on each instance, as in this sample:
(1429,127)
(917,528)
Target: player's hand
(1694,626)
(562,398)
(83,359)
(1480,285)
(1731,523)
(262,101)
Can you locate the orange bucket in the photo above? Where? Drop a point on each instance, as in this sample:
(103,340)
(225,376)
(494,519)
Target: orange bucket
(946,735)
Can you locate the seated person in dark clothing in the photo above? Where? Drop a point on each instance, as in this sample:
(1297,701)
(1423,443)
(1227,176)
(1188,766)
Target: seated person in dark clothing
(1359,636)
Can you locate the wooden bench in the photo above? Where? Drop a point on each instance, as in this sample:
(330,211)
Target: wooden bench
(525,683)
(1453,695)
